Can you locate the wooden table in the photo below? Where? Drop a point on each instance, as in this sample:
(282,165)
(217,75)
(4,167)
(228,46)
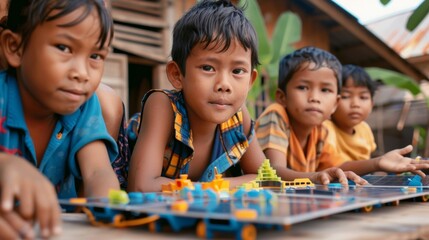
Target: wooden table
(409,220)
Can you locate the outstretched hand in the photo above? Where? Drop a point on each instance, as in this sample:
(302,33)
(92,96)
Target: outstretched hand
(24,189)
(394,161)
(328,175)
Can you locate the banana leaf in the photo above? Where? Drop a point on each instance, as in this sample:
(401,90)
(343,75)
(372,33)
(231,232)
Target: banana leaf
(253,13)
(418,15)
(395,79)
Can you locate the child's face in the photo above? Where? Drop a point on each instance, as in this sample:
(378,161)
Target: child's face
(216,83)
(311,96)
(354,107)
(61,67)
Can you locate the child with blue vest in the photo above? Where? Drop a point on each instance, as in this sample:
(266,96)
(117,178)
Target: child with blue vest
(203,124)
(50,117)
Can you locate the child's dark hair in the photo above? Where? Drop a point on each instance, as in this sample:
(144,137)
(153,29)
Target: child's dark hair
(211,21)
(294,61)
(359,77)
(25,15)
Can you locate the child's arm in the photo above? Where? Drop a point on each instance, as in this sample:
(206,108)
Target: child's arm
(20,181)
(278,162)
(147,157)
(393,161)
(111,108)
(97,173)
(252,158)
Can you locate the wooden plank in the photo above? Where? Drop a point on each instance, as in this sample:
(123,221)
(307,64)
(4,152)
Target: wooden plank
(137,18)
(133,59)
(409,220)
(137,8)
(140,3)
(137,39)
(406,221)
(116,75)
(153,53)
(138,31)
(418,115)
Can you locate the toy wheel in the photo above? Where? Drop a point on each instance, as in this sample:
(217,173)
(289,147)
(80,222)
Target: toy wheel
(248,232)
(367,208)
(425,198)
(117,219)
(152,227)
(201,229)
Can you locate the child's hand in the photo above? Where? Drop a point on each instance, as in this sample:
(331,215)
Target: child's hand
(35,195)
(13,226)
(328,175)
(394,161)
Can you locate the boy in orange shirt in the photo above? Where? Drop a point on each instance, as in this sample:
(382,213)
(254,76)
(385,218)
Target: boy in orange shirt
(290,131)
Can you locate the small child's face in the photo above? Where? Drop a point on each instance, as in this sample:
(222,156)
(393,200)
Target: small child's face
(311,96)
(61,67)
(216,82)
(354,107)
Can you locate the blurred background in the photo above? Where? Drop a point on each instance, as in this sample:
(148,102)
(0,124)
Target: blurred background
(387,37)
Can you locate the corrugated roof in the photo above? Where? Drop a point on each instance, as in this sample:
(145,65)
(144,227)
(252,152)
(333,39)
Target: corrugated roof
(353,43)
(393,31)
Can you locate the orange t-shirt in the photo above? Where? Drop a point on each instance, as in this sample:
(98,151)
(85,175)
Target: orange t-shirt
(357,146)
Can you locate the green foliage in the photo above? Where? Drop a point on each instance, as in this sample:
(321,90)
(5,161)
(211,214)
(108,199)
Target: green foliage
(396,79)
(418,15)
(393,78)
(253,13)
(421,140)
(286,32)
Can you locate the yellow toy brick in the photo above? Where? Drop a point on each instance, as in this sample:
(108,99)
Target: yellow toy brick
(180,206)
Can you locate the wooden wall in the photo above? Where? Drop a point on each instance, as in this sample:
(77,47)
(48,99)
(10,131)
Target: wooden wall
(313,33)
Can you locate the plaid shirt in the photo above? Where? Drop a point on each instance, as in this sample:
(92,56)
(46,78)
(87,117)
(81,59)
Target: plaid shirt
(230,143)
(273,131)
